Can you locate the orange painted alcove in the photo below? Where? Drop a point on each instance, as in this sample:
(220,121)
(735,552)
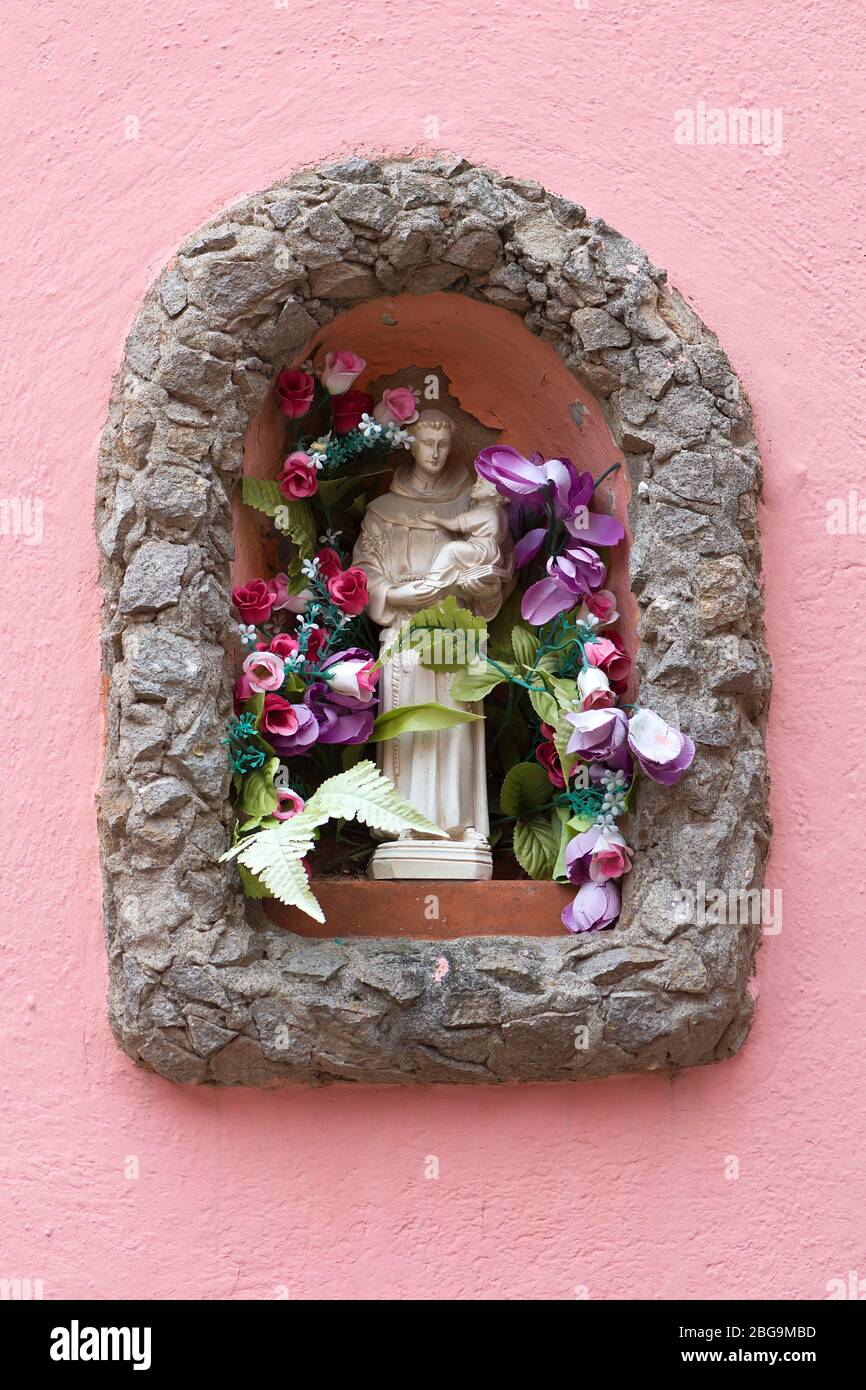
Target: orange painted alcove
(506,385)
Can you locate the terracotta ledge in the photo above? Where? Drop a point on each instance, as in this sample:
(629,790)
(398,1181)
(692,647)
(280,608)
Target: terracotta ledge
(422,911)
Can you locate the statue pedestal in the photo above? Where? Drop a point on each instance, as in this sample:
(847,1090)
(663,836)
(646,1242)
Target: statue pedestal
(432,860)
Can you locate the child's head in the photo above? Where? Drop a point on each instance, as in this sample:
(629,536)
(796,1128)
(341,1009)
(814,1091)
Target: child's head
(482,491)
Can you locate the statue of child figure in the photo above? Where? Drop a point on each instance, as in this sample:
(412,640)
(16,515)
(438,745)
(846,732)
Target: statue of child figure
(468,565)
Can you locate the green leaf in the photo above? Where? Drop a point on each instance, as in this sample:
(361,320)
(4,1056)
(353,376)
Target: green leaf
(423,718)
(536,845)
(566,835)
(525,787)
(499,633)
(252,885)
(476,681)
(258,797)
(448,615)
(565,690)
(295,519)
(545,706)
(525,645)
(263,494)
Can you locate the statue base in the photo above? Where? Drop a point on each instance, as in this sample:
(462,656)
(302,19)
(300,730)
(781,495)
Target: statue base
(432,860)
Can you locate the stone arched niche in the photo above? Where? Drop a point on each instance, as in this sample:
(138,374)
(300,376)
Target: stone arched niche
(202,989)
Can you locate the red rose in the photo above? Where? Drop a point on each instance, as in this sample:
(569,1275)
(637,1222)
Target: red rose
(349,408)
(298,476)
(609,655)
(549,758)
(316,640)
(295,393)
(348,589)
(254,602)
(284,645)
(329,562)
(243,692)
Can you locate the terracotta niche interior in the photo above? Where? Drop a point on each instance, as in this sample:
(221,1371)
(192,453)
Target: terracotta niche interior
(502,384)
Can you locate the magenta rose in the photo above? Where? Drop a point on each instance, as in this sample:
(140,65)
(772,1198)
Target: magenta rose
(348,409)
(340,370)
(295,392)
(254,602)
(348,589)
(298,476)
(547,755)
(602,605)
(329,562)
(284,645)
(288,728)
(397,407)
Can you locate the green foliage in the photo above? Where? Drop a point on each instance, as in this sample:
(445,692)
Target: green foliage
(525,788)
(423,718)
(536,845)
(476,681)
(274,855)
(545,706)
(500,645)
(263,494)
(258,797)
(295,519)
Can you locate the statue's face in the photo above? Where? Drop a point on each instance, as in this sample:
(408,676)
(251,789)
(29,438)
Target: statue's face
(430,449)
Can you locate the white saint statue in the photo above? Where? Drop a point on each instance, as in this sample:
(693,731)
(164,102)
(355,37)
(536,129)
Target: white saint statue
(439,531)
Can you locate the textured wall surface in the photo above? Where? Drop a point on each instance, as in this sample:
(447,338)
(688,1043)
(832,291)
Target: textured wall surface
(127,129)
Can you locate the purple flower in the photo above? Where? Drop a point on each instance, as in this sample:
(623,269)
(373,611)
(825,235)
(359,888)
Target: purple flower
(341,718)
(662,751)
(512,474)
(596,905)
(597,854)
(288,728)
(598,733)
(571,575)
(528,546)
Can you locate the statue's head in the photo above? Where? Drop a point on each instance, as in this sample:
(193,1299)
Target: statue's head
(432,433)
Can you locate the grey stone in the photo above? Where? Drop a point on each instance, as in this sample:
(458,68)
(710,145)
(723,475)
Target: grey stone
(366,206)
(153,579)
(173,294)
(476,250)
(161,663)
(193,376)
(343,281)
(596,329)
(174,497)
(163,795)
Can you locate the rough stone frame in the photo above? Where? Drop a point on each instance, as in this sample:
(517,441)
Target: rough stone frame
(203,989)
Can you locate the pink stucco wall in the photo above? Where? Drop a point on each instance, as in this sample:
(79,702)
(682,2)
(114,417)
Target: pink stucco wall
(618,1188)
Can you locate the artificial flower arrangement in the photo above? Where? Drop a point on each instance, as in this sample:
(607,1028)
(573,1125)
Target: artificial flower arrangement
(561,747)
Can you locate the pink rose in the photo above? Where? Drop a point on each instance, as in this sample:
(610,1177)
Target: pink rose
(295,392)
(287,728)
(397,407)
(353,677)
(602,605)
(298,476)
(288,803)
(608,654)
(611,857)
(329,562)
(279,588)
(340,371)
(264,671)
(348,589)
(254,602)
(348,409)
